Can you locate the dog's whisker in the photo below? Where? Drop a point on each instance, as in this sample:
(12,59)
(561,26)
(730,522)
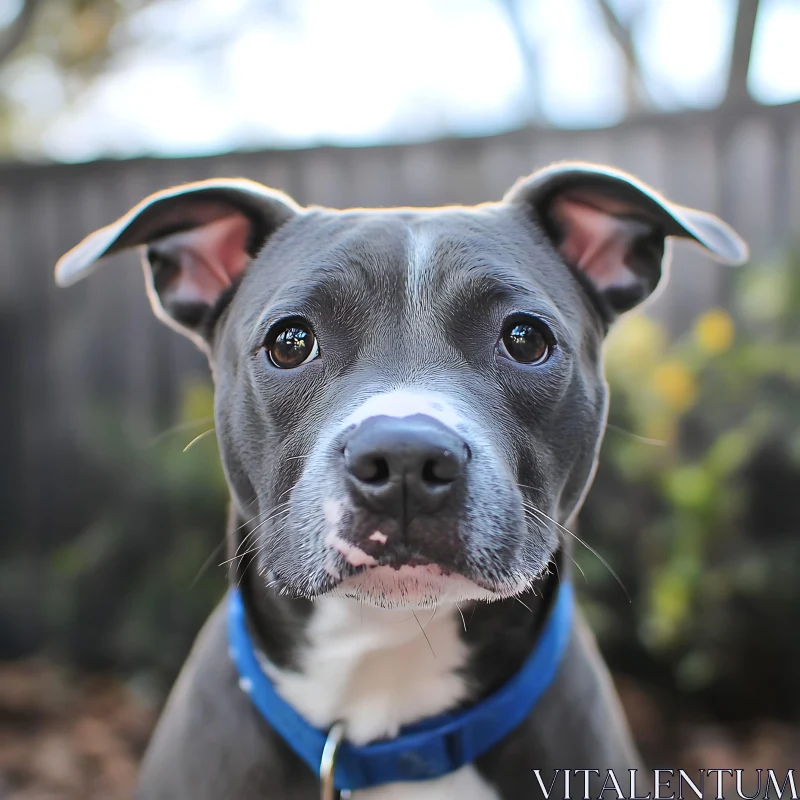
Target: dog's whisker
(523,603)
(463,621)
(285,492)
(264,522)
(255,550)
(274,512)
(207,563)
(258,496)
(198,438)
(237,554)
(435,609)
(244,541)
(181,427)
(241,577)
(578,567)
(247,522)
(636,436)
(587,546)
(422,630)
(241,555)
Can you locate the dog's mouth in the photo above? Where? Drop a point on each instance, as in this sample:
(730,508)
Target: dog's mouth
(429,561)
(417,584)
(413,580)
(401,576)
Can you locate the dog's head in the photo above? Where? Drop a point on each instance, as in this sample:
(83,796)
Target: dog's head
(409,402)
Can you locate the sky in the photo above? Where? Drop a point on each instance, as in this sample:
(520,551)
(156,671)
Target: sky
(204,76)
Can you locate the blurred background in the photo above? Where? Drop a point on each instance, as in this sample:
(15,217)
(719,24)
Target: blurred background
(111,530)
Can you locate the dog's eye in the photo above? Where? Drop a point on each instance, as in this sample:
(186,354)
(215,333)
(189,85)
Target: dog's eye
(291,344)
(527,340)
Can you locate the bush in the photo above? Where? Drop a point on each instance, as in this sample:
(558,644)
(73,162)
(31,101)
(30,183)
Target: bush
(697,503)
(132,589)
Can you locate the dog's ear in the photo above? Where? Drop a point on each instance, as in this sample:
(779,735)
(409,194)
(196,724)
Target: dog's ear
(612,228)
(198,240)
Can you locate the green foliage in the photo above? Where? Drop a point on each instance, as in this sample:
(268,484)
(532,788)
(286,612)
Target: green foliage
(700,517)
(133,587)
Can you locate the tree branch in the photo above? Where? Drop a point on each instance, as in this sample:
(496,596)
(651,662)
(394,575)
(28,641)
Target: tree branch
(746,14)
(528,54)
(638,94)
(15,32)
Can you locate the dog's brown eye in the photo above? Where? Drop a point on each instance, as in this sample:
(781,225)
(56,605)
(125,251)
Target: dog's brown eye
(290,345)
(528,341)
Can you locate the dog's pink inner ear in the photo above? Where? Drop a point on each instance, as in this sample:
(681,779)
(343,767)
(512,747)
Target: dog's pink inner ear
(597,235)
(209,259)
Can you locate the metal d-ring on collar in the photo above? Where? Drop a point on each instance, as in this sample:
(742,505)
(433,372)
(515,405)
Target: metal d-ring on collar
(327,765)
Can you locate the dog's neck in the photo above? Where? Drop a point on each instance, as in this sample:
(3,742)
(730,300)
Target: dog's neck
(378,670)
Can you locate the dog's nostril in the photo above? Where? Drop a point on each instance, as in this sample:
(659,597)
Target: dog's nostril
(377,473)
(442,470)
(367,467)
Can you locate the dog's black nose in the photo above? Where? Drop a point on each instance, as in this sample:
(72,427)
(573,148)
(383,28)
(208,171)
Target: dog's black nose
(403,466)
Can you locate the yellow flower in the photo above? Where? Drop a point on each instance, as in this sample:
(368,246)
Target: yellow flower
(674,384)
(714,331)
(635,343)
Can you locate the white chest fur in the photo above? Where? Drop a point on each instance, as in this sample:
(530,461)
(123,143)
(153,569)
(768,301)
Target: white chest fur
(377,670)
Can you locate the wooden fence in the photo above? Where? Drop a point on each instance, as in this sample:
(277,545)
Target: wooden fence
(63,352)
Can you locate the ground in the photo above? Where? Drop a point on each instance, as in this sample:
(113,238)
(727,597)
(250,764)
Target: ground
(68,738)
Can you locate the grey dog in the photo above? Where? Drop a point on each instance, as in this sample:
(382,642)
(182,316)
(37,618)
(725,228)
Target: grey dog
(409,406)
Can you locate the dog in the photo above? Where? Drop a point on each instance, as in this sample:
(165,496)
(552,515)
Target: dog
(409,405)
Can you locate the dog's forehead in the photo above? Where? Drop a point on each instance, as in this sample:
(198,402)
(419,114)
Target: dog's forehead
(405,258)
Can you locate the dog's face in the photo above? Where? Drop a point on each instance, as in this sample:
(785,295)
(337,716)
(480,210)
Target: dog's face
(399,392)
(409,402)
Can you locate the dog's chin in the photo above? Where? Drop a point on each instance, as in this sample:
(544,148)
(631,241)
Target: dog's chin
(419,587)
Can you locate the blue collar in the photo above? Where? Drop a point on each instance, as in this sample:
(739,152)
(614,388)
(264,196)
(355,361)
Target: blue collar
(425,750)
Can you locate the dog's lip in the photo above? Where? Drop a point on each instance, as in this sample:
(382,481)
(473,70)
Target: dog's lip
(401,560)
(401,571)
(422,586)
(413,565)
(400,565)
(396,562)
